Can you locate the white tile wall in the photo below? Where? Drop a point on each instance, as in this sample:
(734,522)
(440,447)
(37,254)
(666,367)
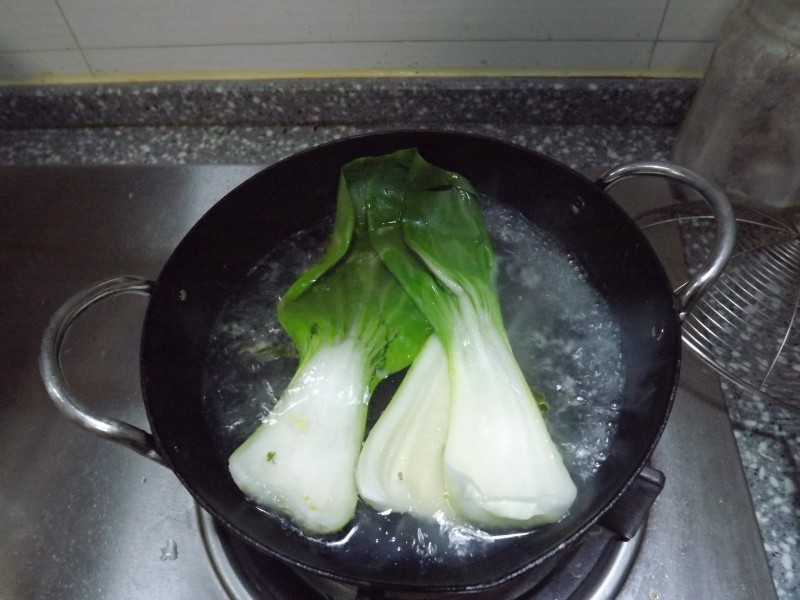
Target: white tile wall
(693,20)
(385,57)
(43,64)
(101,39)
(683,57)
(33,25)
(108,23)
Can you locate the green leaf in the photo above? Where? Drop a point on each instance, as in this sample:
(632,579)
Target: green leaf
(350,292)
(428,229)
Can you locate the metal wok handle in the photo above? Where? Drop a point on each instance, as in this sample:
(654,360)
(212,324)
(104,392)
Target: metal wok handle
(691,291)
(53,376)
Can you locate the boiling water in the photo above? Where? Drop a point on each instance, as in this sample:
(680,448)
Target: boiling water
(562,334)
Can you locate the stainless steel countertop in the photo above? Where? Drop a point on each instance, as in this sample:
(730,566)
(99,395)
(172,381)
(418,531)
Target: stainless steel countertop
(83,518)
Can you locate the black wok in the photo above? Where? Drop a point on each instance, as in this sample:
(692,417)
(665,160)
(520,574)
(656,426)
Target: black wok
(297,193)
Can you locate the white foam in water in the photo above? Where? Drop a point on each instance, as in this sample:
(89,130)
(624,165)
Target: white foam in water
(562,333)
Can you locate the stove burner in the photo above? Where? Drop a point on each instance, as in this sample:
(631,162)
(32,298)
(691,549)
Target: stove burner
(596,570)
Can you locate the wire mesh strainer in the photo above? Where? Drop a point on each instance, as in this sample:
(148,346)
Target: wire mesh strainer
(745,326)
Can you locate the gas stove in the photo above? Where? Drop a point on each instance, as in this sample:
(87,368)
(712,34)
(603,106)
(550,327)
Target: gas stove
(83,518)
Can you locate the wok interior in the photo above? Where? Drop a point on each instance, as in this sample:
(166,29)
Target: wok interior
(241,229)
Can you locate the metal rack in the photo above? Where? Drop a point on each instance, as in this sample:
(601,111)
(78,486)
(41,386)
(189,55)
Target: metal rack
(745,326)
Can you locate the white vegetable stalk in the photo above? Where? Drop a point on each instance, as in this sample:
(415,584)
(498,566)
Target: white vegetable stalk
(400,467)
(301,459)
(501,467)
(464,438)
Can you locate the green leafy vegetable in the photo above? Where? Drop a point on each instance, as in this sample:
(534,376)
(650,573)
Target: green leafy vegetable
(353,325)
(400,467)
(499,466)
(408,275)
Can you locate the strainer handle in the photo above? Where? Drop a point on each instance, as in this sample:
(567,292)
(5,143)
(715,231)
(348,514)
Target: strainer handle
(725,240)
(56,385)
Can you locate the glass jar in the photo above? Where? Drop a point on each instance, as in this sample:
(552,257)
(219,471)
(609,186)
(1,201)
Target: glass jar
(743,128)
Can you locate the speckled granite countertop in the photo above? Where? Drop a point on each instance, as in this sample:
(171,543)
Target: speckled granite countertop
(585,123)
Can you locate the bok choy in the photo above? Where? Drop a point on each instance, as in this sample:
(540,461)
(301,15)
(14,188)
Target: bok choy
(492,459)
(408,278)
(353,324)
(400,467)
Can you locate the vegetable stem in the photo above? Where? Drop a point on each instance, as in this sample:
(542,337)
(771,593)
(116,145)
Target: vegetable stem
(300,460)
